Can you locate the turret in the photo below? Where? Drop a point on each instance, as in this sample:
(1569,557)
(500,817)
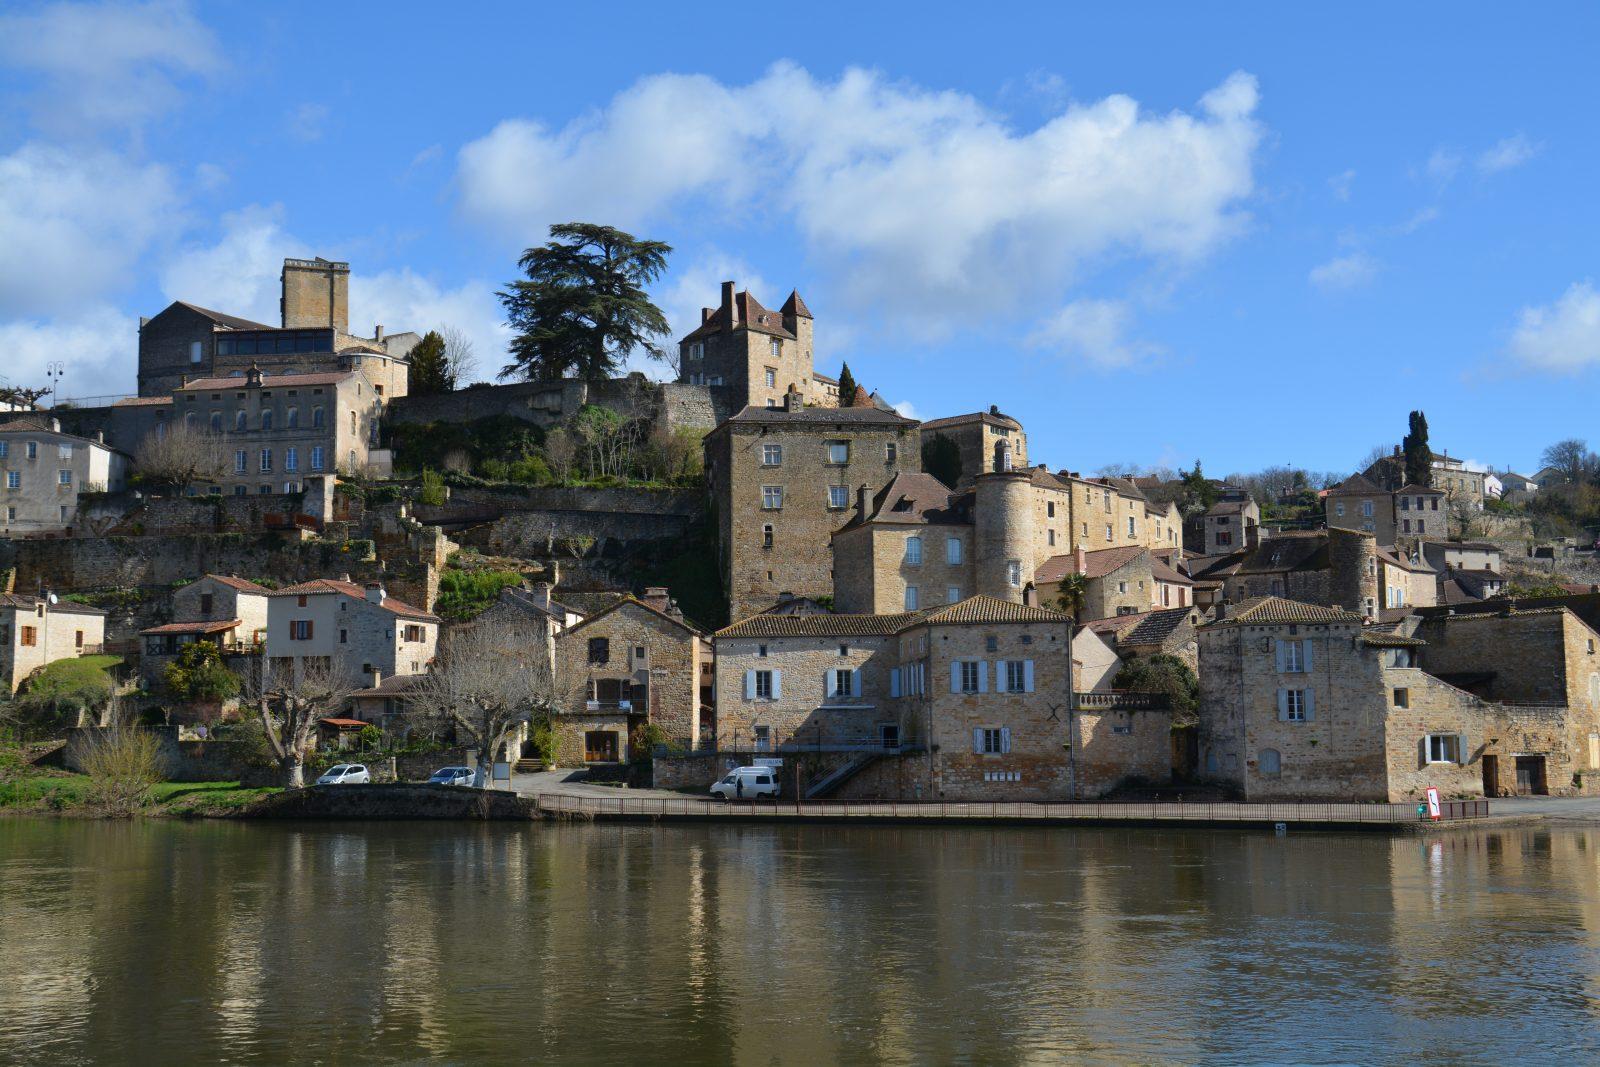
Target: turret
(1353,560)
(1003,518)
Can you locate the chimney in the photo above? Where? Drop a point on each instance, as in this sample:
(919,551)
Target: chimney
(863,501)
(1222,609)
(793,401)
(345,577)
(727,303)
(1252,535)
(1080,560)
(55,424)
(656,596)
(100,437)
(541,594)
(377,677)
(377,333)
(705,315)
(375,592)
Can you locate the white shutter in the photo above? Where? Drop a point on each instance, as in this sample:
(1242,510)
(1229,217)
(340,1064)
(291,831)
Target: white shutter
(855,682)
(777,685)
(828,689)
(1283,656)
(749,685)
(955,676)
(1027,676)
(983,676)
(1005,739)
(977,739)
(1283,705)
(1311,704)
(1305,655)
(894,682)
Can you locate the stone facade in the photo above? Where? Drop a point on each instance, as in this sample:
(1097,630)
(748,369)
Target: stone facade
(1227,524)
(548,404)
(362,631)
(637,661)
(987,440)
(781,482)
(1411,513)
(43,471)
(752,356)
(228,611)
(35,632)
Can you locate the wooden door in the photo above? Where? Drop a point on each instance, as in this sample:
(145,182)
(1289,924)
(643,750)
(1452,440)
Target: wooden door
(1491,776)
(600,746)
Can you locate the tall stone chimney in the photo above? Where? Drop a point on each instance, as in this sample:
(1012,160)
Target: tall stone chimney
(316,293)
(375,592)
(728,307)
(656,596)
(863,501)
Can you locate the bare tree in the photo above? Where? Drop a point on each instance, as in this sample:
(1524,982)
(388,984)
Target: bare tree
(488,681)
(290,700)
(1572,458)
(1376,453)
(180,455)
(460,355)
(561,452)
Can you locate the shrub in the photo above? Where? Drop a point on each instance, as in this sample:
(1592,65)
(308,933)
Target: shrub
(1163,674)
(465,594)
(197,675)
(56,694)
(432,491)
(123,764)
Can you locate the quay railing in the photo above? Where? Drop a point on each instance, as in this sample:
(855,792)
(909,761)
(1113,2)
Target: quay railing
(1089,811)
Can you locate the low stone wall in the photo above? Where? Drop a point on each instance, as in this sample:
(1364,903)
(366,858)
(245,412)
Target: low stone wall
(418,768)
(400,800)
(546,404)
(181,761)
(681,772)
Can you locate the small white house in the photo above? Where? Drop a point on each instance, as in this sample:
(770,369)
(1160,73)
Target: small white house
(42,471)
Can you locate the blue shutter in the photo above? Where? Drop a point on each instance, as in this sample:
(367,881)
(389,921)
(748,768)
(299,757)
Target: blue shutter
(1283,659)
(1027,676)
(1283,705)
(955,676)
(855,682)
(777,685)
(977,739)
(1311,704)
(1305,653)
(983,676)
(828,689)
(894,682)
(1005,739)
(749,685)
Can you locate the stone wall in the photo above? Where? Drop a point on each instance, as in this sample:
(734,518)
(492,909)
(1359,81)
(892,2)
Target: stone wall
(180,761)
(547,404)
(1116,747)
(669,672)
(697,770)
(89,563)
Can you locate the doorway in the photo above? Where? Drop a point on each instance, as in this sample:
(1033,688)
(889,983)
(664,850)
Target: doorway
(1530,776)
(889,735)
(1491,775)
(600,746)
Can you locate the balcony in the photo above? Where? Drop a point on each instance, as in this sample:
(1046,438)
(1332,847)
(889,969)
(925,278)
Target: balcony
(1121,700)
(623,706)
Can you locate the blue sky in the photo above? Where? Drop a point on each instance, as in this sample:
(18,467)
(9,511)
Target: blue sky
(1255,237)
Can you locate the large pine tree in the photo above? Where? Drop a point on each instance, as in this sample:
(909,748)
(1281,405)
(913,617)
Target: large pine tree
(582,309)
(847,386)
(1419,459)
(430,367)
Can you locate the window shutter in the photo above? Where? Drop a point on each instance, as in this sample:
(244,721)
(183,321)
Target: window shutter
(777,685)
(1005,739)
(1282,656)
(310,628)
(1422,752)
(1311,704)
(749,685)
(955,676)
(983,676)
(1283,705)
(1305,655)
(977,739)
(855,682)
(1461,749)
(829,684)
(894,682)
(1027,676)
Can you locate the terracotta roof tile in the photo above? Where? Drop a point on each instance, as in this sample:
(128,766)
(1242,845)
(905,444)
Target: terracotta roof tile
(1269,610)
(988,609)
(819,625)
(205,626)
(350,589)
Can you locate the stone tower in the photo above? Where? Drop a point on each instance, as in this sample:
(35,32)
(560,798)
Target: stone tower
(1353,567)
(1003,534)
(316,292)
(752,355)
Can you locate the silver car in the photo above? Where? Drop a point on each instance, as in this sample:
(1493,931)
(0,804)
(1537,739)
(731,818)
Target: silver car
(451,776)
(346,774)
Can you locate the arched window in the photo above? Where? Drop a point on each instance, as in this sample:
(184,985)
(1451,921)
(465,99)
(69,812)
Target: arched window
(216,422)
(239,421)
(291,418)
(266,419)
(188,420)
(352,422)
(1270,762)
(316,418)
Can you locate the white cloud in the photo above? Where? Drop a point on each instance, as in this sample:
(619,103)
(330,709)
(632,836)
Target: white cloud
(1443,164)
(905,408)
(1344,272)
(74,224)
(107,65)
(403,300)
(927,208)
(98,345)
(1506,154)
(239,272)
(307,122)
(1341,183)
(1563,337)
(1095,331)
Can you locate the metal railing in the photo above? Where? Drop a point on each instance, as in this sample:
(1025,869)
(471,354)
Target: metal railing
(1121,700)
(1331,813)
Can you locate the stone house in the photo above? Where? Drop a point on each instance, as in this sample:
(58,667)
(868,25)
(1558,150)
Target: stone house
(906,547)
(1445,556)
(185,342)
(1164,631)
(1460,483)
(1412,512)
(782,480)
(1305,702)
(226,610)
(359,630)
(42,472)
(635,662)
(35,631)
(753,357)
(1406,581)
(1226,525)
(1118,581)
(966,702)
(987,441)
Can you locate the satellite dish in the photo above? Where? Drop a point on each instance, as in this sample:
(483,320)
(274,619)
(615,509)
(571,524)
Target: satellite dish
(52,598)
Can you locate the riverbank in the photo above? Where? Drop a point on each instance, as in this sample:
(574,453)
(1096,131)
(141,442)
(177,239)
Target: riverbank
(72,795)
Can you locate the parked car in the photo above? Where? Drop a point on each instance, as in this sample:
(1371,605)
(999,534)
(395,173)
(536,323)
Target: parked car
(747,783)
(346,774)
(451,776)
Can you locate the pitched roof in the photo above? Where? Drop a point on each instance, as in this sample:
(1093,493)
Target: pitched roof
(204,626)
(988,609)
(1227,507)
(243,585)
(1163,573)
(1394,559)
(233,322)
(1390,640)
(1045,480)
(796,306)
(748,314)
(1357,485)
(1413,489)
(391,686)
(350,589)
(913,498)
(758,416)
(993,417)
(626,601)
(1295,551)
(1097,564)
(1270,610)
(270,381)
(1155,627)
(819,625)
(524,601)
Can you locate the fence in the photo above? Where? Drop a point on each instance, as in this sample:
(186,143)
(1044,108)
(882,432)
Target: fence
(1326,814)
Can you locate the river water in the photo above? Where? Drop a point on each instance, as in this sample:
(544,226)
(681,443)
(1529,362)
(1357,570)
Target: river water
(210,943)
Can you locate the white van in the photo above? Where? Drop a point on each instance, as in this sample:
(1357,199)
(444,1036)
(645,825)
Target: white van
(747,783)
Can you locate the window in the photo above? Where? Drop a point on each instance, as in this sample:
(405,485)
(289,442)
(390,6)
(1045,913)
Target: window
(1338,508)
(1019,676)
(840,682)
(1294,657)
(771,497)
(30,636)
(266,460)
(761,651)
(241,461)
(697,350)
(1050,509)
(991,741)
(971,673)
(1270,762)
(1422,526)
(316,418)
(266,419)
(196,351)
(1366,509)
(1050,537)
(1294,705)
(1014,572)
(316,457)
(775,346)
(291,418)
(952,551)
(13,479)
(891,452)
(1133,527)
(1109,535)
(914,551)
(838,497)
(766,535)
(763,685)
(1122,587)
(772,377)
(763,738)
(913,598)
(1402,698)
(64,476)
(216,422)
(1224,537)
(33,450)
(838,453)
(206,601)
(239,423)
(291,459)
(11,514)
(1107,493)
(5,449)
(599,650)
(771,455)
(1443,748)
(300,630)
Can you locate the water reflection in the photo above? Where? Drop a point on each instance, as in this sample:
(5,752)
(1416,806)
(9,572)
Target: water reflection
(206,943)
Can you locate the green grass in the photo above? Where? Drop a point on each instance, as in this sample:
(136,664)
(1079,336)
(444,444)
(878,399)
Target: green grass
(58,791)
